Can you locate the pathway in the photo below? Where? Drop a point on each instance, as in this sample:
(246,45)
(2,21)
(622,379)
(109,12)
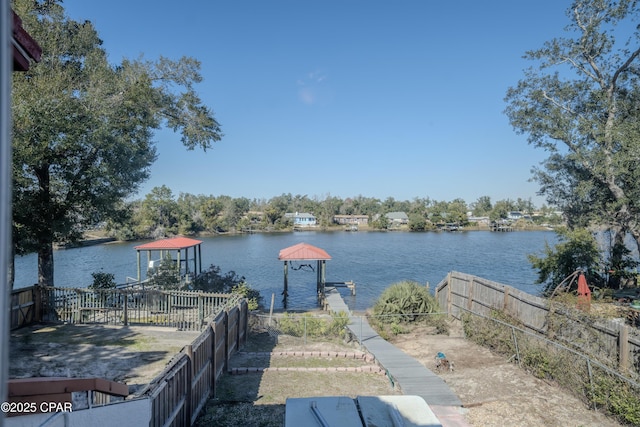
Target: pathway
(411,376)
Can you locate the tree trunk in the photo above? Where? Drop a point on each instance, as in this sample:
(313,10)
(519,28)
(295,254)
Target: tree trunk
(45,265)
(45,243)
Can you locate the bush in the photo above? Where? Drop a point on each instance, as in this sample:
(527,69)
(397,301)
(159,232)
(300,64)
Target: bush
(252,295)
(313,326)
(102,280)
(404,301)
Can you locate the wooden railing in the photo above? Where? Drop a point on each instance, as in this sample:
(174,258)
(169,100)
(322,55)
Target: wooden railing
(613,342)
(180,392)
(180,309)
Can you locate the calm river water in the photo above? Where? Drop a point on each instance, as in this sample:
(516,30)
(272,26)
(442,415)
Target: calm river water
(373,260)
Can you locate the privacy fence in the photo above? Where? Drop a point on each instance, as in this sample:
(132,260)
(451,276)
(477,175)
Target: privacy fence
(180,309)
(612,342)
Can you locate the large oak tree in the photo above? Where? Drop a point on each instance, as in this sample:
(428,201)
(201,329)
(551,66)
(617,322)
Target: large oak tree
(83,129)
(580,102)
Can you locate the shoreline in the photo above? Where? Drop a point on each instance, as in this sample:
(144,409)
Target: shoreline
(95,240)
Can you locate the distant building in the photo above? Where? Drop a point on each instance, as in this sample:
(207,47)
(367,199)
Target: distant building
(480,220)
(514,215)
(396,218)
(302,219)
(351,219)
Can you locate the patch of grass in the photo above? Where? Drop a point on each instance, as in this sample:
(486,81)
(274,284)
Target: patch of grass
(221,414)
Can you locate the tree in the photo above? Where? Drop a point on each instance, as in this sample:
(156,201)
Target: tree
(581,105)
(159,213)
(83,129)
(577,250)
(482,206)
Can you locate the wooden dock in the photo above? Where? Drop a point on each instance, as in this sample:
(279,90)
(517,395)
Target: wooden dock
(407,373)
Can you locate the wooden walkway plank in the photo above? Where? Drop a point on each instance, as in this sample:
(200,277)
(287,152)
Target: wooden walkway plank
(411,376)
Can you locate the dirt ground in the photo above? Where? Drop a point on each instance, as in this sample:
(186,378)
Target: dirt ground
(133,355)
(494,391)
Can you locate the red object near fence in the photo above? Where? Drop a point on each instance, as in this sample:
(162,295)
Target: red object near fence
(584,293)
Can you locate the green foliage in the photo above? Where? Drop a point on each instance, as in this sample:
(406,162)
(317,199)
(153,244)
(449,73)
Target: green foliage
(404,301)
(617,397)
(102,280)
(417,222)
(380,223)
(578,103)
(252,295)
(83,129)
(166,275)
(593,384)
(213,281)
(577,250)
(490,334)
(313,326)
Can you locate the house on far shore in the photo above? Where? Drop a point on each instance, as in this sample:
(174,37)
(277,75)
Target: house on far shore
(480,220)
(397,218)
(351,219)
(302,219)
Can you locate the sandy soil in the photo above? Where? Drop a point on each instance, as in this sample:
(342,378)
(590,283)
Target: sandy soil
(494,391)
(133,355)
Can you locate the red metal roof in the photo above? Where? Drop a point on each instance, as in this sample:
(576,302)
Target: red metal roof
(303,251)
(173,243)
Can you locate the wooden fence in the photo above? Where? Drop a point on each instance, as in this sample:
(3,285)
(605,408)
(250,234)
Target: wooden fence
(25,307)
(180,392)
(186,310)
(612,342)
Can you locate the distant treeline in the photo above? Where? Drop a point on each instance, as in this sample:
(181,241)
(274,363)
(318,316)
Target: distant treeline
(162,214)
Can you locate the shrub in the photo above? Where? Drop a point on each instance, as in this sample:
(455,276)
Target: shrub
(404,301)
(102,280)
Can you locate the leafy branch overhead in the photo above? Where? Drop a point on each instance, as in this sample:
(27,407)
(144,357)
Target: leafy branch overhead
(578,101)
(83,129)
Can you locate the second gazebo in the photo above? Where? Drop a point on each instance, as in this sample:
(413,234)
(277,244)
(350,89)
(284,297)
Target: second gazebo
(304,252)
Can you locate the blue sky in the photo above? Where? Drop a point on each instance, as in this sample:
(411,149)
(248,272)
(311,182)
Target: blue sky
(376,98)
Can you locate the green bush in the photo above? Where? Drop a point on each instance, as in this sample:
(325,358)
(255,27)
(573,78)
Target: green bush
(102,280)
(312,325)
(404,301)
(252,295)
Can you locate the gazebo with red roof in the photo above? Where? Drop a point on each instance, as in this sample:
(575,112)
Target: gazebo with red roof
(177,244)
(304,252)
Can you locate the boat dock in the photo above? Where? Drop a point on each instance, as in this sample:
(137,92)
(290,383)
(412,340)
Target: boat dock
(404,371)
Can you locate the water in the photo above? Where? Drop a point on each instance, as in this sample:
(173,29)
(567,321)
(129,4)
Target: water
(373,260)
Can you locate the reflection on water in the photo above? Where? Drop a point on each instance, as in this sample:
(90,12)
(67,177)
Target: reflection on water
(373,260)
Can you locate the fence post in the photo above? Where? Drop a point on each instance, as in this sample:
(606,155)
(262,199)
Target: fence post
(189,352)
(623,348)
(212,359)
(505,302)
(449,286)
(515,341)
(36,296)
(126,308)
(593,400)
(360,340)
(470,295)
